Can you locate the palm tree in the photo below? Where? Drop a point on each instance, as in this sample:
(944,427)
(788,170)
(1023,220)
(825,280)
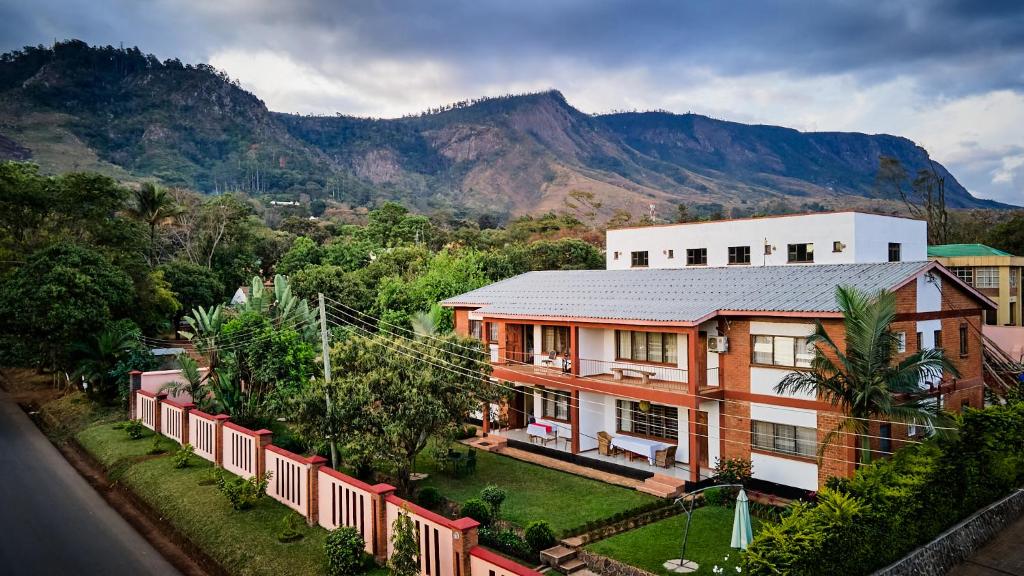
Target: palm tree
(865,381)
(155,207)
(98,355)
(426,324)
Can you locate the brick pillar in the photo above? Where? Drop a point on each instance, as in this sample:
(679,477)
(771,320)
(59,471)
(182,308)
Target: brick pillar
(218,439)
(134,385)
(574,420)
(185,409)
(157,409)
(485,421)
(378,499)
(263,439)
(313,498)
(464,538)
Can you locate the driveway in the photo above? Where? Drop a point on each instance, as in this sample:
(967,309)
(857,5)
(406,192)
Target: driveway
(52,521)
(1002,556)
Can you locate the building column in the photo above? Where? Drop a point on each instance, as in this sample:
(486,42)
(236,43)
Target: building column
(464,539)
(313,498)
(692,366)
(502,344)
(574,420)
(574,349)
(694,443)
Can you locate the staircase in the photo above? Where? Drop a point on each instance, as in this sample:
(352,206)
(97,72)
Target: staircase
(564,560)
(663,486)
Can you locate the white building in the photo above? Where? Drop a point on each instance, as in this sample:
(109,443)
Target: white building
(826,238)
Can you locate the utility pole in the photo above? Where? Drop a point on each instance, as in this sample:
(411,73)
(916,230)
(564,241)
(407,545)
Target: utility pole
(325,343)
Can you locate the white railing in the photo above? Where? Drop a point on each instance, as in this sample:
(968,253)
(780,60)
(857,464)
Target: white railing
(345,501)
(145,409)
(171,417)
(289,478)
(202,434)
(240,450)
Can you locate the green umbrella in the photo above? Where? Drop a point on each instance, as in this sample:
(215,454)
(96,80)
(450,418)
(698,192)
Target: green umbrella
(742,533)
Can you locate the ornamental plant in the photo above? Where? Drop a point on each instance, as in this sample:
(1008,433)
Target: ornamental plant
(243,493)
(344,549)
(134,429)
(539,535)
(181,456)
(494,497)
(404,560)
(477,510)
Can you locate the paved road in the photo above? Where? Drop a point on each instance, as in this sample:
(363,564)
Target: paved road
(51,520)
(1002,556)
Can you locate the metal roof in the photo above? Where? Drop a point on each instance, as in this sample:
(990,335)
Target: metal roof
(680,295)
(954,250)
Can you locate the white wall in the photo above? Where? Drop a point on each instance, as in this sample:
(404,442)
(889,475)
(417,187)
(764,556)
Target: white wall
(866,237)
(714,430)
(929,293)
(785,471)
(597,414)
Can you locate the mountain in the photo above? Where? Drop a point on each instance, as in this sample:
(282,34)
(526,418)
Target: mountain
(125,113)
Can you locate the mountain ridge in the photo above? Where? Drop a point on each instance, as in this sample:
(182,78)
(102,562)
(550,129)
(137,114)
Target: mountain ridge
(118,110)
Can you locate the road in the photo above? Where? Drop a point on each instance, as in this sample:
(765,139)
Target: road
(1002,556)
(51,520)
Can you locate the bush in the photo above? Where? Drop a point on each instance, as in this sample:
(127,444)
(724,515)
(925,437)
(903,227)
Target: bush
(344,549)
(182,455)
(429,498)
(242,493)
(539,535)
(494,497)
(715,497)
(477,510)
(733,470)
(289,529)
(135,429)
(156,448)
(469,432)
(508,542)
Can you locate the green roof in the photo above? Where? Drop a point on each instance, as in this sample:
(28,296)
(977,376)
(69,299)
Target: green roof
(954,250)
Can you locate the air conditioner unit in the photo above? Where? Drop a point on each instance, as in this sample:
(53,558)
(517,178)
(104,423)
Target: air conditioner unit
(718,344)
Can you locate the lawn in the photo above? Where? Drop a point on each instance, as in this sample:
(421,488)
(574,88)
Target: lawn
(650,546)
(110,445)
(244,543)
(534,492)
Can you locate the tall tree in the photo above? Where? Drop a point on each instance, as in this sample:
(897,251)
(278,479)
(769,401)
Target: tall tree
(924,196)
(865,381)
(154,206)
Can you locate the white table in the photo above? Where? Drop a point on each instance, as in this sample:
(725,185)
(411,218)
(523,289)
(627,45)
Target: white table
(544,431)
(641,446)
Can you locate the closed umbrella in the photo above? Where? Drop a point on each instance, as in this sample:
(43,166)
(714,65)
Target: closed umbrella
(742,532)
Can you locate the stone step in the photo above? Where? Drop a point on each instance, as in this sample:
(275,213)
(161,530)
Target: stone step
(557,555)
(657,490)
(669,481)
(574,565)
(584,572)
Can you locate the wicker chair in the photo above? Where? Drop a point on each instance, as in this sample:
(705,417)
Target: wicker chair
(604,444)
(665,458)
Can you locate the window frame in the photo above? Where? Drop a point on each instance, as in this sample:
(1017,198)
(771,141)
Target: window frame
(476,329)
(793,253)
(795,352)
(555,399)
(898,250)
(757,440)
(558,333)
(696,256)
(964,273)
(492,332)
(657,417)
(986,277)
(665,337)
(736,253)
(636,255)
(901,342)
(965,346)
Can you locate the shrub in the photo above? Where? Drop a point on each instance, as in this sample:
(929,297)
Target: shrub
(715,497)
(182,455)
(469,432)
(243,493)
(477,510)
(135,429)
(539,535)
(344,549)
(508,542)
(289,529)
(156,448)
(429,498)
(733,470)
(494,497)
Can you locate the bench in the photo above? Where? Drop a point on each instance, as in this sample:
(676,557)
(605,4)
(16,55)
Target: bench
(645,375)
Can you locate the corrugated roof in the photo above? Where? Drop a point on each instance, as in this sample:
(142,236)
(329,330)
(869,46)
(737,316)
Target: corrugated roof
(954,250)
(680,295)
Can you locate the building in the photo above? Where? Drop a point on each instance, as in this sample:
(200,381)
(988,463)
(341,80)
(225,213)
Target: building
(824,238)
(992,272)
(680,365)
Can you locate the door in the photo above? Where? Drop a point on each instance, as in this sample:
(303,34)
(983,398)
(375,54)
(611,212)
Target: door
(702,438)
(514,343)
(517,415)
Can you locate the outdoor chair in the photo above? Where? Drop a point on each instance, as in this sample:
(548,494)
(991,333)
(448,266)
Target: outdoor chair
(665,458)
(604,444)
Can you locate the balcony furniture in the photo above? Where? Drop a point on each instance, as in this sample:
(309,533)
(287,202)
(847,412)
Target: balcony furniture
(645,375)
(604,445)
(665,458)
(641,447)
(542,432)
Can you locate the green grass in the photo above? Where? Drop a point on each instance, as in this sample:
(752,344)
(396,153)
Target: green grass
(534,492)
(648,547)
(111,446)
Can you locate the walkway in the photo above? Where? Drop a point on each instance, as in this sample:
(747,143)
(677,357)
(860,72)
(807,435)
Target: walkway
(53,521)
(1002,556)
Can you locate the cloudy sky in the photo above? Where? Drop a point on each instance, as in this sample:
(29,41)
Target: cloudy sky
(947,74)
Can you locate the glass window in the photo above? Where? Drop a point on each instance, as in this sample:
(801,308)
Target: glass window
(1014,277)
(885,440)
(920,341)
(657,420)
(657,347)
(901,341)
(555,339)
(785,351)
(638,259)
(696,256)
(782,351)
(938,339)
(492,331)
(671,254)
(476,329)
(739,254)
(987,277)
(963,340)
(556,404)
(837,246)
(783,438)
(801,252)
(965,273)
(762,349)
(894,251)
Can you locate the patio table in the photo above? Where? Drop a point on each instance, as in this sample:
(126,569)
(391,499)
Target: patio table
(641,446)
(542,430)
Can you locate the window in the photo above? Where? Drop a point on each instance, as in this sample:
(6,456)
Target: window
(638,259)
(965,273)
(767,250)
(492,331)
(671,254)
(990,317)
(838,246)
(476,329)
(657,421)
(963,339)
(801,253)
(696,256)
(920,341)
(555,339)
(739,254)
(894,251)
(1014,277)
(556,404)
(885,438)
(783,438)
(938,339)
(659,347)
(615,255)
(901,341)
(986,277)
(782,351)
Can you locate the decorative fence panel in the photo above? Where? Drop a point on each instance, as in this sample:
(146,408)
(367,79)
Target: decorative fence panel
(346,501)
(202,434)
(240,453)
(483,562)
(145,408)
(289,478)
(172,420)
(435,536)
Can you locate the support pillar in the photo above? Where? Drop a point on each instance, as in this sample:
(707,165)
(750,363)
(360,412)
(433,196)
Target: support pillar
(694,457)
(485,419)
(313,499)
(158,400)
(218,439)
(134,385)
(464,539)
(186,408)
(379,495)
(263,439)
(574,420)
(574,349)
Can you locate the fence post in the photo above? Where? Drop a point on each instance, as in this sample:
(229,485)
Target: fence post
(380,492)
(185,409)
(263,438)
(218,439)
(313,498)
(464,539)
(158,400)
(134,385)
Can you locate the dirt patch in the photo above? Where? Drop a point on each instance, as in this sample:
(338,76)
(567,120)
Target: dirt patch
(29,388)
